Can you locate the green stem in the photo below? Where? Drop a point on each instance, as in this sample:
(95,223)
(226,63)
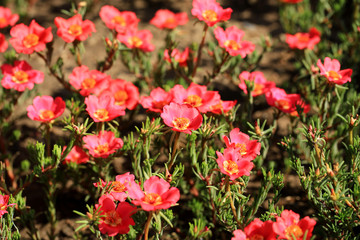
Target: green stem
(48,140)
(206,27)
(233,209)
(175,146)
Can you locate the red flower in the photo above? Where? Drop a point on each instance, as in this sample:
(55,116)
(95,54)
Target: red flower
(258,229)
(76,155)
(167,19)
(120,21)
(287,103)
(179,57)
(88,81)
(181,117)
(3,43)
(157,100)
(117,219)
(7,18)
(103,108)
(331,70)
(291,1)
(27,39)
(74,28)
(137,39)
(303,40)
(289,226)
(222,107)
(103,144)
(45,108)
(196,96)
(4,199)
(157,195)
(210,11)
(261,85)
(232,164)
(20,76)
(125,93)
(248,149)
(231,40)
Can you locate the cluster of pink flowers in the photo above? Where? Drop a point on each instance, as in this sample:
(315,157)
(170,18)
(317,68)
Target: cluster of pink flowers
(116,212)
(287,226)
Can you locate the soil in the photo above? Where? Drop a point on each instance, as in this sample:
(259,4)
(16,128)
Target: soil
(258,18)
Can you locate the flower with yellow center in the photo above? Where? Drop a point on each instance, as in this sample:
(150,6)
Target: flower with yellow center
(120,97)
(75,30)
(210,15)
(193,100)
(112,218)
(153,199)
(31,40)
(242,148)
(88,83)
(181,123)
(118,187)
(293,231)
(304,38)
(232,45)
(3,21)
(46,114)
(20,77)
(283,104)
(102,149)
(119,20)
(230,167)
(334,75)
(101,114)
(135,41)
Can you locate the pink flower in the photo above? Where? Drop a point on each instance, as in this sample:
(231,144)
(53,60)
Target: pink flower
(291,1)
(103,144)
(261,85)
(137,39)
(76,155)
(181,117)
(117,219)
(4,199)
(258,229)
(331,70)
(45,108)
(120,21)
(103,108)
(88,81)
(210,12)
(165,18)
(286,103)
(303,40)
(248,149)
(7,18)
(20,76)
(27,39)
(157,195)
(74,28)
(231,40)
(196,96)
(233,164)
(222,107)
(239,235)
(289,226)
(177,56)
(157,100)
(125,93)
(3,43)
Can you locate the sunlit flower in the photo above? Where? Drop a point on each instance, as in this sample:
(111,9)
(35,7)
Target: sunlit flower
(120,21)
(222,107)
(231,163)
(165,18)
(20,76)
(177,56)
(103,144)
(210,11)
(258,229)
(116,219)
(74,28)
(137,39)
(7,18)
(103,108)
(157,100)
(27,39)
(303,40)
(4,199)
(76,155)
(331,70)
(3,43)
(291,1)
(157,195)
(261,85)
(181,117)
(231,40)
(289,226)
(45,108)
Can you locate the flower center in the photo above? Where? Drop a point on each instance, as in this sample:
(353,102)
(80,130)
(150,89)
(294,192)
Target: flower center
(135,41)
(170,21)
(258,89)
(159,104)
(118,187)
(101,114)
(75,30)
(20,77)
(241,147)
(112,218)
(3,21)
(293,230)
(304,38)
(210,15)
(101,149)
(119,20)
(217,106)
(3,206)
(31,40)
(88,83)
(46,114)
(230,167)
(153,199)
(283,104)
(334,75)
(256,237)
(120,97)
(181,123)
(232,44)
(193,100)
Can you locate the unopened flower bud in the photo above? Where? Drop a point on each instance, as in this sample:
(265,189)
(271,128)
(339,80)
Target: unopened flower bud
(353,121)
(257,130)
(333,195)
(317,172)
(329,171)
(82,4)
(314,69)
(108,42)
